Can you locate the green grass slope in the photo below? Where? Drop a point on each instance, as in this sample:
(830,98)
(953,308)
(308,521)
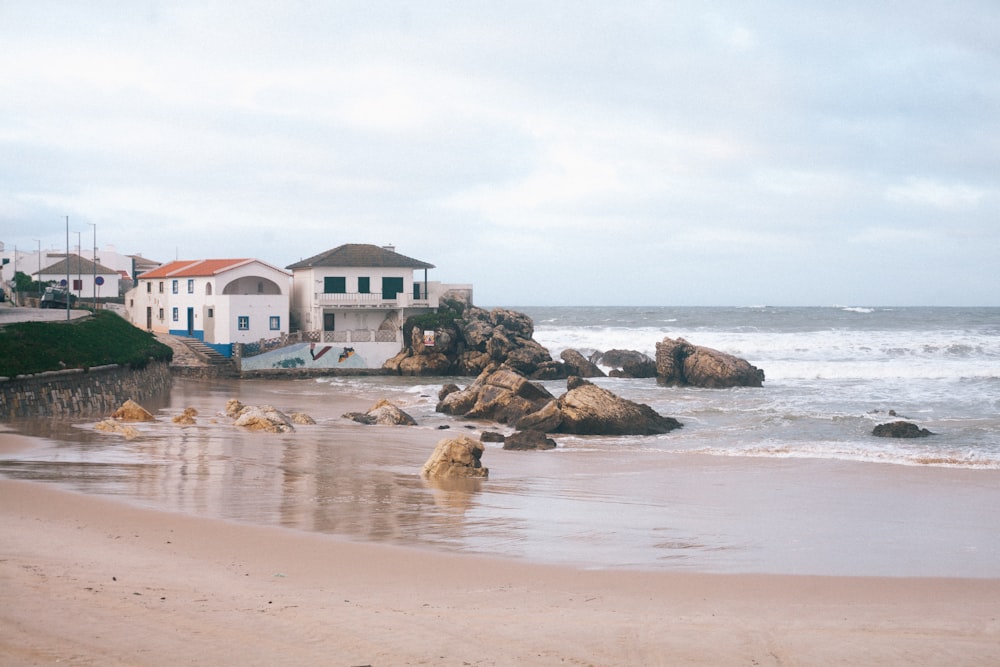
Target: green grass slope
(105,338)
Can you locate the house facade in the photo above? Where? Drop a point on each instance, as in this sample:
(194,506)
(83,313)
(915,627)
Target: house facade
(350,304)
(217,301)
(86,279)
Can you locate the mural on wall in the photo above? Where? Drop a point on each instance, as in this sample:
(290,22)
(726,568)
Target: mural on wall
(307,355)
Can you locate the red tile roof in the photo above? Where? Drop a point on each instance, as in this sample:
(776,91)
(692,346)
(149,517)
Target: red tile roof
(190,268)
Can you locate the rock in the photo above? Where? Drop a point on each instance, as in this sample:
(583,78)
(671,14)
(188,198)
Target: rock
(678,362)
(900,429)
(383,413)
(617,358)
(491,436)
(546,420)
(447,389)
(186,418)
(263,418)
(301,418)
(112,426)
(505,396)
(525,440)
(130,411)
(580,366)
(456,458)
(590,410)
(433,363)
(233,408)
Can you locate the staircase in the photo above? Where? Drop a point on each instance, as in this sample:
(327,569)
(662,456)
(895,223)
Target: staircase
(210,356)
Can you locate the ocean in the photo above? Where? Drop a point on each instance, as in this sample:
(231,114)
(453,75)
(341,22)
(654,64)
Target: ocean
(786,478)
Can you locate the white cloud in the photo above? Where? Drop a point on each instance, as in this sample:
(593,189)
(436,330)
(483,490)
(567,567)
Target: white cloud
(929,192)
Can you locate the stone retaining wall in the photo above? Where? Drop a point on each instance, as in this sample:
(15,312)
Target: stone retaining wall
(80,392)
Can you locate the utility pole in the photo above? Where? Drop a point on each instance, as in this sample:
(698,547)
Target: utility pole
(79,262)
(38,282)
(94,283)
(68,291)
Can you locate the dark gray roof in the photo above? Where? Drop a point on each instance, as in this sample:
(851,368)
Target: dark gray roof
(360,255)
(77,265)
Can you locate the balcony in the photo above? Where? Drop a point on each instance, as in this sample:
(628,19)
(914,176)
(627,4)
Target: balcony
(368,300)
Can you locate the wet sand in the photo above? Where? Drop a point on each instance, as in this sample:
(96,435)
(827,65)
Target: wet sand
(87,580)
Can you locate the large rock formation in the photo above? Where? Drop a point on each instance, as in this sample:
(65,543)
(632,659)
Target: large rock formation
(465,340)
(900,429)
(678,362)
(456,458)
(499,394)
(585,409)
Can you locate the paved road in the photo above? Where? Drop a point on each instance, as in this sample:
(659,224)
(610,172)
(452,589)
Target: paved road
(10,314)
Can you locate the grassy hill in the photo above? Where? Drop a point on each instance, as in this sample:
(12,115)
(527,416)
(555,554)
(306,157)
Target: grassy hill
(105,338)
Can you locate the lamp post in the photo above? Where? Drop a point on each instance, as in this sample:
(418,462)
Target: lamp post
(94,257)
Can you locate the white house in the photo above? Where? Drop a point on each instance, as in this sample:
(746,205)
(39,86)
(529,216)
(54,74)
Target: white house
(218,301)
(87,280)
(350,303)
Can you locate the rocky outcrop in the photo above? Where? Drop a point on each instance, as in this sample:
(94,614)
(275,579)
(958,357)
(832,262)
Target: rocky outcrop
(456,458)
(528,440)
(468,340)
(585,409)
(578,365)
(383,413)
(498,394)
(301,418)
(900,429)
(680,363)
(130,411)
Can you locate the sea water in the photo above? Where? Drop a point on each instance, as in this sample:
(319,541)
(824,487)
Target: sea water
(785,478)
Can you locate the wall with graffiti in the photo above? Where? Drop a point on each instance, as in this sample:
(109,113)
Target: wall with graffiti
(321,355)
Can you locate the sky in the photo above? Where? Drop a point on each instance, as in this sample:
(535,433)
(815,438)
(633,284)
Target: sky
(553,153)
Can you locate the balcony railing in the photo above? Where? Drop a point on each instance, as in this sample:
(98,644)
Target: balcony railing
(368,300)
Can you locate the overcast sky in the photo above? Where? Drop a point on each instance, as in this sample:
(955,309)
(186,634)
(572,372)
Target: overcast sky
(549,153)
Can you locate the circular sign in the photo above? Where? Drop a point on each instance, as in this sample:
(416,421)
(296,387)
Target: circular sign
(62,283)
(99,280)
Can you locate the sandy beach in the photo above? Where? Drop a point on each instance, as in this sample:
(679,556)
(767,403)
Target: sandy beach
(88,580)
(91,578)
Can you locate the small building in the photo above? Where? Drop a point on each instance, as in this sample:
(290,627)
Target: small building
(349,304)
(87,280)
(217,301)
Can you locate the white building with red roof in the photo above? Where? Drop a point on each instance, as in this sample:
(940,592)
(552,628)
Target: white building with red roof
(217,301)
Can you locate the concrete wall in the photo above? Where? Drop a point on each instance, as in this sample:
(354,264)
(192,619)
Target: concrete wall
(95,392)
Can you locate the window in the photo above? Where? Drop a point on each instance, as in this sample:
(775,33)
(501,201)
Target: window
(211,312)
(190,285)
(275,323)
(176,314)
(161,314)
(364,285)
(173,286)
(149,288)
(335,285)
(243,323)
(161,287)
